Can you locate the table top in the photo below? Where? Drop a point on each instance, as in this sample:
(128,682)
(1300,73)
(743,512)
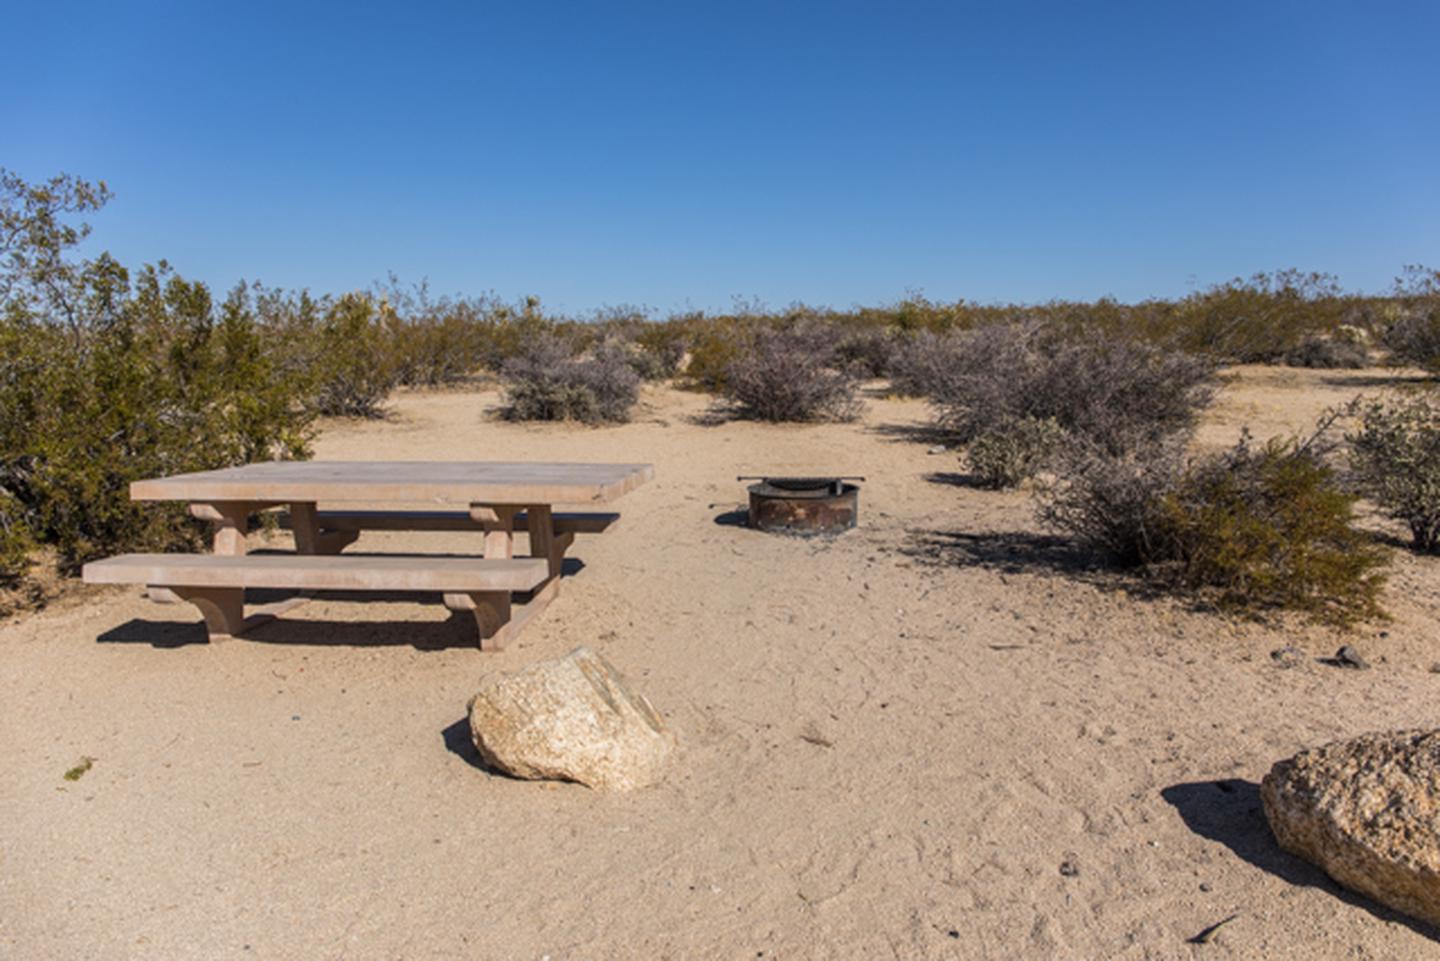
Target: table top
(433,482)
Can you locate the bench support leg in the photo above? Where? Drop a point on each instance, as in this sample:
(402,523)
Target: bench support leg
(222,607)
(498,620)
(493,621)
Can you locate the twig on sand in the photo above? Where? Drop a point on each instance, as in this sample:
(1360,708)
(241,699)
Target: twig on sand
(1205,937)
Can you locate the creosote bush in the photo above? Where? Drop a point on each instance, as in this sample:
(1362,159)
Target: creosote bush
(869,351)
(921,362)
(1113,502)
(549,381)
(1115,392)
(1255,529)
(108,377)
(1008,453)
(1414,331)
(1395,455)
(1271,527)
(1328,352)
(792,374)
(1121,392)
(352,359)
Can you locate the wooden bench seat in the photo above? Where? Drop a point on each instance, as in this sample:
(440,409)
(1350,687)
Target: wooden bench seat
(563,522)
(215,583)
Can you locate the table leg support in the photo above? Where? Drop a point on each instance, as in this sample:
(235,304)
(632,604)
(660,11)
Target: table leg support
(541,526)
(309,538)
(499,525)
(231,520)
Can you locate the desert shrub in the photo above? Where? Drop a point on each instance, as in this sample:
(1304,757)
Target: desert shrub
(713,349)
(792,374)
(1272,527)
(1395,455)
(1005,454)
(437,341)
(921,362)
(1113,502)
(433,351)
(550,382)
(656,351)
(351,359)
(17,541)
(1253,529)
(1328,352)
(1413,334)
(1117,392)
(1257,320)
(868,351)
(104,381)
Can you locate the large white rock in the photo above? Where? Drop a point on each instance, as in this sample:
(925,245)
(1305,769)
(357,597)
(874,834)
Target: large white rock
(571,719)
(1367,811)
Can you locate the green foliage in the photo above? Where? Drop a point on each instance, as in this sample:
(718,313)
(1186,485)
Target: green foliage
(35,233)
(1271,527)
(1258,320)
(1414,330)
(713,349)
(17,541)
(1395,454)
(352,359)
(658,351)
(1254,529)
(104,381)
(1007,453)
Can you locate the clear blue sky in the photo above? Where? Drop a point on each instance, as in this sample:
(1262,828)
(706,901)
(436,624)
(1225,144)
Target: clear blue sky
(673,154)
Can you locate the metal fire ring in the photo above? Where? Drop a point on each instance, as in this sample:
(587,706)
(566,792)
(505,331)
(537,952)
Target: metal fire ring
(803,505)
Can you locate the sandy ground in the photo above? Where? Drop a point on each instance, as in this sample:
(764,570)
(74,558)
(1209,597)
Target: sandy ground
(890,741)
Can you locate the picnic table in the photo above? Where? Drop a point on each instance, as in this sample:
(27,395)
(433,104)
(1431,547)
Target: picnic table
(495,500)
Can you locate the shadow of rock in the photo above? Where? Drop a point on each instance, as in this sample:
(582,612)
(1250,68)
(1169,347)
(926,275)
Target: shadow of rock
(715,415)
(458,742)
(1230,812)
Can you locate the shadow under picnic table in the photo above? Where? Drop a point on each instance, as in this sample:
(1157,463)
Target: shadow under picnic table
(456,631)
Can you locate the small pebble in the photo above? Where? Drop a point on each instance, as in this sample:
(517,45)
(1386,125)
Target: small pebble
(1069,868)
(1287,657)
(1347,656)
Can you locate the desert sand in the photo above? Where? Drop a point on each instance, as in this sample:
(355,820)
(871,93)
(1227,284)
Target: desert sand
(941,735)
